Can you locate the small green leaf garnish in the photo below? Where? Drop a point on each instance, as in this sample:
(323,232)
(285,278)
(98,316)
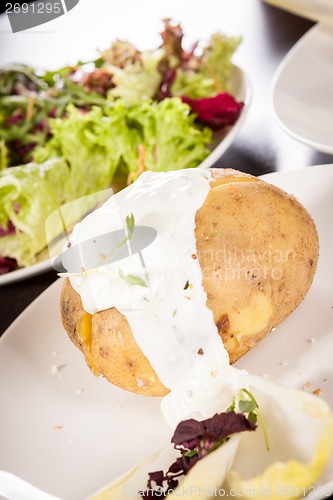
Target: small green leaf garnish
(187,284)
(252,417)
(247,406)
(190,454)
(130,224)
(131,279)
(245,402)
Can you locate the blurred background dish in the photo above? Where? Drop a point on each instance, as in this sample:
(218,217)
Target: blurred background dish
(302,90)
(316,10)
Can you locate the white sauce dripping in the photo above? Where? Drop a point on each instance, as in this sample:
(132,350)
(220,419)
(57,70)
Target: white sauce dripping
(169,318)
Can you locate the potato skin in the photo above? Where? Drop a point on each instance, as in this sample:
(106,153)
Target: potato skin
(258,251)
(110,350)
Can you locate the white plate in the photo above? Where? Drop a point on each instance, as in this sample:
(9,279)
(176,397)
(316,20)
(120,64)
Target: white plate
(69,433)
(302,90)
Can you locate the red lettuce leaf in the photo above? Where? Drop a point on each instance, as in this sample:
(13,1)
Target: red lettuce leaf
(217,112)
(10,229)
(7,265)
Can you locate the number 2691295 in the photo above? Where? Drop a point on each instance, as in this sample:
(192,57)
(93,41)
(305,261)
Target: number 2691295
(34,8)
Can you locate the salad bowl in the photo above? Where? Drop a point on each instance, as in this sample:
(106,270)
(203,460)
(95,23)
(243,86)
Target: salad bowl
(99,124)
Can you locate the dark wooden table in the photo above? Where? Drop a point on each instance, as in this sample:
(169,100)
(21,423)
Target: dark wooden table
(269,35)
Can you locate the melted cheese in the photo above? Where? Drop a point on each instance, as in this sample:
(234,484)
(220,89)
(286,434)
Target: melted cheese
(84,329)
(85,335)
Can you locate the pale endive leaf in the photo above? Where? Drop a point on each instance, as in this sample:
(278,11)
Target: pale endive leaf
(204,476)
(209,473)
(300,432)
(299,427)
(132,482)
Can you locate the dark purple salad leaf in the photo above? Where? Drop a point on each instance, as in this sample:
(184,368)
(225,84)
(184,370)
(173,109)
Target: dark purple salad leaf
(215,428)
(158,485)
(182,465)
(188,430)
(195,439)
(8,230)
(7,265)
(158,477)
(222,425)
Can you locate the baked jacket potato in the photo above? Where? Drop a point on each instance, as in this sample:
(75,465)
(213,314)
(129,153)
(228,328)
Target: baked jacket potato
(258,250)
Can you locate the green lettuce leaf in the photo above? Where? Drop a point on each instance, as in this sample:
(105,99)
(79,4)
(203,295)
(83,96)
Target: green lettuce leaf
(211,72)
(216,60)
(4,161)
(87,152)
(192,84)
(139,80)
(28,195)
(156,136)
(93,144)
(170,138)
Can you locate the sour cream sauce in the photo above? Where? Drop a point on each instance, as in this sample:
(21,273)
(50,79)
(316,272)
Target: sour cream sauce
(169,318)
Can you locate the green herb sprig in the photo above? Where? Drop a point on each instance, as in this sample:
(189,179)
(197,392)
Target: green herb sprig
(245,402)
(131,279)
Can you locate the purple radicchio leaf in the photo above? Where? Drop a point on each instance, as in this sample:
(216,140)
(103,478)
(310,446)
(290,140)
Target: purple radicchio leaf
(219,111)
(188,431)
(195,439)
(7,265)
(218,427)
(7,231)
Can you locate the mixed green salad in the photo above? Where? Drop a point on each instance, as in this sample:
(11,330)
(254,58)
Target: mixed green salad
(67,133)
